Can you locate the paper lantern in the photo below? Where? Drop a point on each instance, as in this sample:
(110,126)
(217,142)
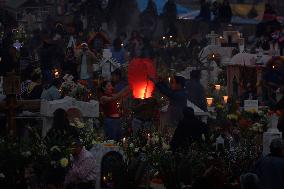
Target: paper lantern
(139,71)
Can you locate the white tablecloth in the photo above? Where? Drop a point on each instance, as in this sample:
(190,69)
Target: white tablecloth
(88,110)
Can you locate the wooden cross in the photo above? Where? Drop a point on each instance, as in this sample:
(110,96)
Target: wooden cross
(11,105)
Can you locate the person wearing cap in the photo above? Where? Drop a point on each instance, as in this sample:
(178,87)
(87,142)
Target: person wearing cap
(177,97)
(270,169)
(85,65)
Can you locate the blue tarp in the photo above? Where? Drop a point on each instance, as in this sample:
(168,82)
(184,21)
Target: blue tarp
(142,4)
(235,19)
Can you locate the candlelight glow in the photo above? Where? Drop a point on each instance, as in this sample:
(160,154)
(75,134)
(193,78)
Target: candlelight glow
(164,37)
(209,101)
(218,87)
(225,98)
(139,72)
(56,73)
(143,90)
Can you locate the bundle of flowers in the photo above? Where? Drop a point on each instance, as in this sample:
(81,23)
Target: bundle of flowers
(80,92)
(68,85)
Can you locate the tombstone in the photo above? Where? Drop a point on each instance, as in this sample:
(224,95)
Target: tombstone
(112,163)
(270,134)
(198,112)
(108,64)
(232,39)
(88,110)
(105,154)
(245,68)
(212,38)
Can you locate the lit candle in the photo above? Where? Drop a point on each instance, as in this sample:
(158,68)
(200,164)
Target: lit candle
(213,55)
(56,73)
(218,87)
(169,79)
(171,36)
(209,101)
(164,37)
(124,140)
(225,98)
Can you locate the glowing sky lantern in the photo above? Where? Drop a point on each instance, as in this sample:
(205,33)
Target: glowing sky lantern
(139,72)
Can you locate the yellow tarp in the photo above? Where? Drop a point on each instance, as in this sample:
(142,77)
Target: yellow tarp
(243,9)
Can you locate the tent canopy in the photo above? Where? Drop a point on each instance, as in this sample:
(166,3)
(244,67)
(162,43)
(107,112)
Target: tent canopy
(247,59)
(142,5)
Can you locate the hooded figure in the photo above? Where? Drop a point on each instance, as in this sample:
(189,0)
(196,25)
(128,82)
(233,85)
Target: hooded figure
(189,129)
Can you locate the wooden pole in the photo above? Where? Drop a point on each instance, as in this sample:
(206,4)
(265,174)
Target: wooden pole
(11,106)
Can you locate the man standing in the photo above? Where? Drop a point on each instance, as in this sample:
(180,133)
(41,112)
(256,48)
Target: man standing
(177,97)
(270,168)
(195,90)
(85,66)
(82,175)
(118,81)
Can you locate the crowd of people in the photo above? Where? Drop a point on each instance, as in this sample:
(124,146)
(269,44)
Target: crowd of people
(49,54)
(216,12)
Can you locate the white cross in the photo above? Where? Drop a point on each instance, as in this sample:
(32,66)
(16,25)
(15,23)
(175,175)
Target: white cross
(212,36)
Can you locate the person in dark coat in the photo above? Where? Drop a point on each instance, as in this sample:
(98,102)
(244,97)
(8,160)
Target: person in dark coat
(195,90)
(46,58)
(189,130)
(225,12)
(62,135)
(177,97)
(70,65)
(270,169)
(205,14)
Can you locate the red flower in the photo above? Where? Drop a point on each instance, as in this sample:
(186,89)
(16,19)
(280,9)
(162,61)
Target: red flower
(243,123)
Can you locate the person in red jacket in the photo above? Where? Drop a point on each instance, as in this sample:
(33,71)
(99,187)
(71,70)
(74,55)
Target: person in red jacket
(110,107)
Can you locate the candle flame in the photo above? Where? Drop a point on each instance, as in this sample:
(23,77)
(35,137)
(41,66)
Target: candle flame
(225,98)
(217,87)
(209,101)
